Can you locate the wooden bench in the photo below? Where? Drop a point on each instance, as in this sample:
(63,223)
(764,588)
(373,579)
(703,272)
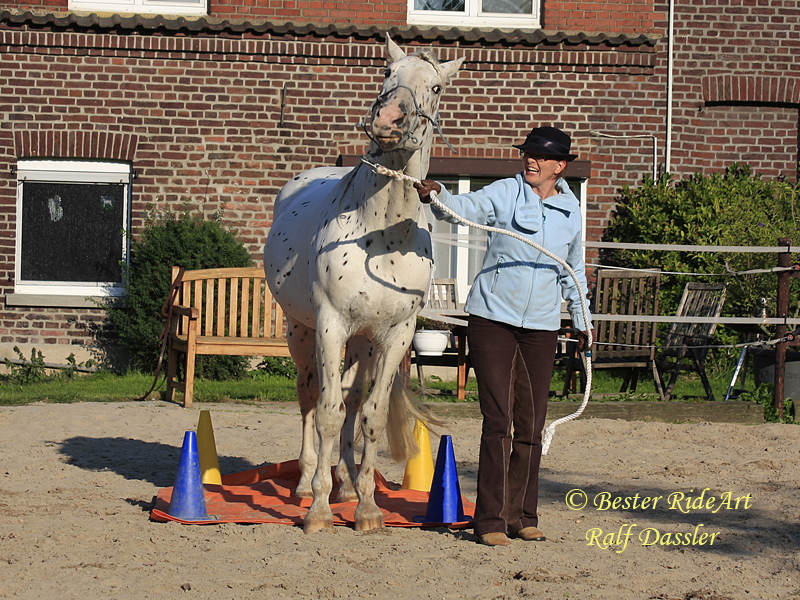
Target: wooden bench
(227,312)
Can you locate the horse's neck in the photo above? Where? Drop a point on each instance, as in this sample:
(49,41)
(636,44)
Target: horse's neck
(395,200)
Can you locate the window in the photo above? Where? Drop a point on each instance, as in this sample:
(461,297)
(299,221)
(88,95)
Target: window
(71,218)
(475,13)
(458,250)
(162,7)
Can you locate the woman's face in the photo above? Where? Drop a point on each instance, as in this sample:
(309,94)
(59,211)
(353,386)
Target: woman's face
(541,170)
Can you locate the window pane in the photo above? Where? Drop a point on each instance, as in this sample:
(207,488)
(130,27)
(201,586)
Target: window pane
(72,232)
(441,5)
(519,7)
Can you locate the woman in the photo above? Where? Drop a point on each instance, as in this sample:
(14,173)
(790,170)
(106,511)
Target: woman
(514,315)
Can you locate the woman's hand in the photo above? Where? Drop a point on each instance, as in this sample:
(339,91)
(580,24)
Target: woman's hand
(425,188)
(583,338)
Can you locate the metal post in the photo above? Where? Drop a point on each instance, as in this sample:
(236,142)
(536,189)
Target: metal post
(784,279)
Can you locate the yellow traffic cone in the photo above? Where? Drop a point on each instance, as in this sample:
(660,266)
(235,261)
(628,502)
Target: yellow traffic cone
(207,449)
(419,469)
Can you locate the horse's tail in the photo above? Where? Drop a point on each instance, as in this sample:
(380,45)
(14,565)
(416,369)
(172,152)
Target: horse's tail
(404,404)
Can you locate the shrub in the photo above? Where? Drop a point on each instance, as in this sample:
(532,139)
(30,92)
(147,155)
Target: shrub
(185,240)
(734,208)
(279,366)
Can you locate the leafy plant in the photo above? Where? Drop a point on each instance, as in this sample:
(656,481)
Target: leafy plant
(279,366)
(764,395)
(29,371)
(186,240)
(734,208)
(433,325)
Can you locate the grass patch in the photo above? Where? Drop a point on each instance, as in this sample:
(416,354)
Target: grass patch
(259,386)
(106,387)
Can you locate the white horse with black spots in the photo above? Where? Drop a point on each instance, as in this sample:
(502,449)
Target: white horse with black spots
(348,258)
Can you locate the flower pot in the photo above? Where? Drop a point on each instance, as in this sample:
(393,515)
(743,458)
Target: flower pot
(430,343)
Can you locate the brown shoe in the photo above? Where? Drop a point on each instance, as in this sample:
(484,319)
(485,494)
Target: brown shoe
(530,534)
(493,538)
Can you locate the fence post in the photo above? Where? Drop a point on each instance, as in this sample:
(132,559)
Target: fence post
(784,280)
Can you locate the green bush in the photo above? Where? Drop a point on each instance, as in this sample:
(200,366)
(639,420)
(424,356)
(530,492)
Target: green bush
(734,208)
(764,395)
(185,240)
(279,366)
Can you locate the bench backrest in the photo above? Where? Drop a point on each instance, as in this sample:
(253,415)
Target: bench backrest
(233,302)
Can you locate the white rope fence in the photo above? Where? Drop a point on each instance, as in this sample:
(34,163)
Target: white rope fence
(550,431)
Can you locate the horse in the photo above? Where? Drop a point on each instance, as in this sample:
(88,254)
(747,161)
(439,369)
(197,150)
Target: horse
(348,258)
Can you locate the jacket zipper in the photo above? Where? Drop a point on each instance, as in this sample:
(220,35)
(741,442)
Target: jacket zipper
(533,269)
(497,273)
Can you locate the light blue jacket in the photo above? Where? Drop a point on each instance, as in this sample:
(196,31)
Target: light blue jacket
(518,284)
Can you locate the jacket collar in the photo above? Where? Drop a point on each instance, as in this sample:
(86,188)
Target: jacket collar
(527,211)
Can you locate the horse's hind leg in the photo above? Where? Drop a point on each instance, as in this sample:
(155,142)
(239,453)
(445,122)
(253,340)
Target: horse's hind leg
(356,363)
(302,346)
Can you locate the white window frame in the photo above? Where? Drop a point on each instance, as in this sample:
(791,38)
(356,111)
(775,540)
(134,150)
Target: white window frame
(474,17)
(465,238)
(162,7)
(67,171)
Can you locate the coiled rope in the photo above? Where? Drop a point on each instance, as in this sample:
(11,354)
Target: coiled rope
(550,431)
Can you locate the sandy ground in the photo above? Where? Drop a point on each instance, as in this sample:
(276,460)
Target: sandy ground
(78,482)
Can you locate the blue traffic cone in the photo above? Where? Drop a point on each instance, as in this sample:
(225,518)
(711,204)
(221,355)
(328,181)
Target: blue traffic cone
(188,502)
(444,503)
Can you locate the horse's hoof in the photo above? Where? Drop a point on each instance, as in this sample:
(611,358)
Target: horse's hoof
(369,522)
(304,493)
(348,495)
(313,525)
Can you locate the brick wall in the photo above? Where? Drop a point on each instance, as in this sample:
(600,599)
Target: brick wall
(737,86)
(224,121)
(203,121)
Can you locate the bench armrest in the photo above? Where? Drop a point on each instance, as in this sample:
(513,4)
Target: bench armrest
(186,311)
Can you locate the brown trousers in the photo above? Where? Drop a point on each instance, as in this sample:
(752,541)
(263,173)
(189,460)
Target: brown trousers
(513,367)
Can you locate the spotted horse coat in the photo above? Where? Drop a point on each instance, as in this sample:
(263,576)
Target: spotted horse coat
(349,260)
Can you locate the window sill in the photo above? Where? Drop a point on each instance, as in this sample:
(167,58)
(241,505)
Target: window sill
(61,301)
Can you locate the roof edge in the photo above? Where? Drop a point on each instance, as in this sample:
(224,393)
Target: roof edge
(177,25)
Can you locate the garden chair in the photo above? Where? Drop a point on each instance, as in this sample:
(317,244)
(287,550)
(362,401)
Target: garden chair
(621,343)
(700,300)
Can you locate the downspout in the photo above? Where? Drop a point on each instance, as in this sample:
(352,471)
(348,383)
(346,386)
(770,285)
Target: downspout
(670,64)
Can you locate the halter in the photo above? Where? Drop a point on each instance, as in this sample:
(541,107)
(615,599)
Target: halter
(436,122)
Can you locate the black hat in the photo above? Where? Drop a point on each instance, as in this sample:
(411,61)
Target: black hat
(548,141)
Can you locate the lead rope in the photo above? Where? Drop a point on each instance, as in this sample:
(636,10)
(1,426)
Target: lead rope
(550,431)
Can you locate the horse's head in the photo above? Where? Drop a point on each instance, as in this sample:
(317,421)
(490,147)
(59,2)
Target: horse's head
(406,113)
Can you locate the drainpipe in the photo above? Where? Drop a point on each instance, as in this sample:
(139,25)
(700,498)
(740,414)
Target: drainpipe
(670,64)
(631,137)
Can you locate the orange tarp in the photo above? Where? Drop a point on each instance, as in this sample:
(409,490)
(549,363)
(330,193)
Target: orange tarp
(265,495)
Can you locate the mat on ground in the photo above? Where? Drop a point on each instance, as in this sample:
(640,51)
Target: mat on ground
(265,495)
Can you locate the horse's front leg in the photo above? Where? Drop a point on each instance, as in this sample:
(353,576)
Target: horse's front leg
(302,347)
(374,413)
(329,418)
(356,361)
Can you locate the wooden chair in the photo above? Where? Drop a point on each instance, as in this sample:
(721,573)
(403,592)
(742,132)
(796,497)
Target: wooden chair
(624,343)
(698,300)
(443,295)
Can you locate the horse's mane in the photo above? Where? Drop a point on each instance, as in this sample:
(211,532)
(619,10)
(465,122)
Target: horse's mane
(428,57)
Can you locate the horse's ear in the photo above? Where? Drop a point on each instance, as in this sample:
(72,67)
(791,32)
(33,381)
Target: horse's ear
(393,50)
(449,69)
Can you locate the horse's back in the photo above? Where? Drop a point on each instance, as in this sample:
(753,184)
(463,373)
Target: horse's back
(302,186)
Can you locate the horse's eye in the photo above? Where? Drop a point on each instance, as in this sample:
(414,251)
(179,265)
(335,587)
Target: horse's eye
(387,72)
(437,89)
